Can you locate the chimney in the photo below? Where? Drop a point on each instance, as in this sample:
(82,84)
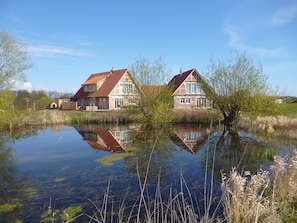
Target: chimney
(111,70)
(180,71)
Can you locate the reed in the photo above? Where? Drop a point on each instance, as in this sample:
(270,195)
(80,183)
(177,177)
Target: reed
(178,206)
(268,196)
(198,116)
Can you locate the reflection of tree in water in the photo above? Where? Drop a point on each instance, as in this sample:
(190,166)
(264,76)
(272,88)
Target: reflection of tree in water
(236,150)
(14,192)
(152,142)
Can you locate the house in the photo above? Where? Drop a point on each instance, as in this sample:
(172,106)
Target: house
(190,139)
(187,90)
(115,140)
(107,91)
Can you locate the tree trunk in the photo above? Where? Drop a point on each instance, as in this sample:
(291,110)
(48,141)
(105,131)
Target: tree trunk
(230,122)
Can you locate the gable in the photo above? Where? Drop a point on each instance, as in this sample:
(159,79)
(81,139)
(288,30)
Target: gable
(109,83)
(178,80)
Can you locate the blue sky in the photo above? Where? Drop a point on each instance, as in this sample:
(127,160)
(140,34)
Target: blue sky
(71,39)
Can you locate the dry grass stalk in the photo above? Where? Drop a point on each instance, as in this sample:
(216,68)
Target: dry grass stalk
(270,123)
(255,198)
(285,178)
(243,196)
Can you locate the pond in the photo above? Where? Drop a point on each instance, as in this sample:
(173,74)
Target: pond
(56,173)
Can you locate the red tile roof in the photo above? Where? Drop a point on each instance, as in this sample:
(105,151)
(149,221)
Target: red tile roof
(178,79)
(111,143)
(151,90)
(111,79)
(94,78)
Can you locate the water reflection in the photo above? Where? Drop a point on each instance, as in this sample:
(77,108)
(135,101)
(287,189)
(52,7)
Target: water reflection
(69,165)
(15,192)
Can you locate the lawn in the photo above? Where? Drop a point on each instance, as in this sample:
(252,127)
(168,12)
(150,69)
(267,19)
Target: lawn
(288,109)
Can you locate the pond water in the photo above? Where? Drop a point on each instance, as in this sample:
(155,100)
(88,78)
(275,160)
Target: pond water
(84,169)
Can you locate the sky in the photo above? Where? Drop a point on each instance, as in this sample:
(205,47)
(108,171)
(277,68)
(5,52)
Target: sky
(68,40)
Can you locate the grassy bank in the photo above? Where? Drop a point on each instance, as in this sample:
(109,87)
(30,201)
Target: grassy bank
(18,119)
(284,121)
(286,117)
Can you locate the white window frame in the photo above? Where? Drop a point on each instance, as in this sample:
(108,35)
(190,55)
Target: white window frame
(199,88)
(194,88)
(126,88)
(118,102)
(188,88)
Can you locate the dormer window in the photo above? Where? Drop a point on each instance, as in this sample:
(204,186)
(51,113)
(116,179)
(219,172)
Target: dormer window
(90,88)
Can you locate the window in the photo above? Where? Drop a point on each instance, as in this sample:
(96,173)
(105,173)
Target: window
(192,136)
(201,102)
(185,100)
(118,102)
(194,88)
(188,88)
(125,136)
(199,88)
(89,88)
(126,88)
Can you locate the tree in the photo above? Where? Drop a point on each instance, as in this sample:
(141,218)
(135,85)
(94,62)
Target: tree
(236,85)
(155,101)
(149,73)
(14,60)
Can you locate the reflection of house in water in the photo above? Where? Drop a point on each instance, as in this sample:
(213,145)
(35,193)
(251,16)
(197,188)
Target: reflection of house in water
(190,140)
(107,140)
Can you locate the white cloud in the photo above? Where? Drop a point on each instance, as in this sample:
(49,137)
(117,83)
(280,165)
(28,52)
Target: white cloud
(23,86)
(49,51)
(284,15)
(235,41)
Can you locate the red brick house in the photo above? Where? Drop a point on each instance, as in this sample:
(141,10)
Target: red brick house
(187,90)
(107,91)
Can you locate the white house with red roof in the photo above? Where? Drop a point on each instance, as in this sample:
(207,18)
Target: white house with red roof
(187,90)
(107,91)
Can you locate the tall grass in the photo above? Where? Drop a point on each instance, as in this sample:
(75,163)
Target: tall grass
(195,115)
(269,124)
(268,196)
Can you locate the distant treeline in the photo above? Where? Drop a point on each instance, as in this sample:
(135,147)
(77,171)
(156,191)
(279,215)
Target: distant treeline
(289,99)
(36,100)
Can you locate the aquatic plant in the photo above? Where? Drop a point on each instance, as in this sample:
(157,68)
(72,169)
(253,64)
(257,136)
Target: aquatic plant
(110,159)
(66,216)
(61,179)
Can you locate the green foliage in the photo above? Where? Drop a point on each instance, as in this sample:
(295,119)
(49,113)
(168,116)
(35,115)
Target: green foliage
(67,215)
(235,86)
(110,159)
(57,180)
(6,100)
(7,207)
(149,73)
(37,100)
(13,61)
(43,102)
(157,109)
(155,103)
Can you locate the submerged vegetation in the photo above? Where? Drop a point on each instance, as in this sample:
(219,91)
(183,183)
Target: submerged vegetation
(265,196)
